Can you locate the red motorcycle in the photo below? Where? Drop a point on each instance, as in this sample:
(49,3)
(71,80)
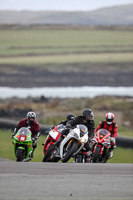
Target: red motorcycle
(102,144)
(51,153)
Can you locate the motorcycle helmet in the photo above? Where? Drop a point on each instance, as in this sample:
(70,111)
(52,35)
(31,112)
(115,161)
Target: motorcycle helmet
(70,117)
(88,114)
(31,116)
(109,118)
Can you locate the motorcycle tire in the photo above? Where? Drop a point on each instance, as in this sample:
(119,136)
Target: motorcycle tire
(19,155)
(48,153)
(70,153)
(96,155)
(55,159)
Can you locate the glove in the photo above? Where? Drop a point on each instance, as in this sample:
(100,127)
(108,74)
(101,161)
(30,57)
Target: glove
(12,136)
(33,140)
(68,126)
(14,133)
(65,132)
(112,139)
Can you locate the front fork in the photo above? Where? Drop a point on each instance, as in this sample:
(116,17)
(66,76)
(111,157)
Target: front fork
(101,149)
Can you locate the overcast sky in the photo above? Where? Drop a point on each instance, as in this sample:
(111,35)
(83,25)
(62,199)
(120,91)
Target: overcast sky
(68,5)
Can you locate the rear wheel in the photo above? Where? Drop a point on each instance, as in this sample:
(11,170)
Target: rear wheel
(70,152)
(19,155)
(48,153)
(96,155)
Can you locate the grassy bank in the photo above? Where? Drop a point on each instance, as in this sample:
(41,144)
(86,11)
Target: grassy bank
(63,44)
(121,155)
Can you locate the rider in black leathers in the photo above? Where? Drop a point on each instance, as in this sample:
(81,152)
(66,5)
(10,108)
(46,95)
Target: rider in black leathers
(70,117)
(87,120)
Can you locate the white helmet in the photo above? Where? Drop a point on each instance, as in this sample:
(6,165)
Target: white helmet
(31,115)
(109,118)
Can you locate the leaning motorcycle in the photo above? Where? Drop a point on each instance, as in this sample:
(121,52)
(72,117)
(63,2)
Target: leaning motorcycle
(23,145)
(73,143)
(51,153)
(102,144)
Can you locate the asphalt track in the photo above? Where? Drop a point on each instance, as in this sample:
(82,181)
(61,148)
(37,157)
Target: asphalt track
(64,181)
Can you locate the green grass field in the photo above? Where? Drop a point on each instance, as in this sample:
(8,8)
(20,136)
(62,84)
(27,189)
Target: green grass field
(42,44)
(121,155)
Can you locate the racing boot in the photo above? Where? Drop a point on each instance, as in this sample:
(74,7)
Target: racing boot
(111,154)
(111,151)
(56,144)
(64,132)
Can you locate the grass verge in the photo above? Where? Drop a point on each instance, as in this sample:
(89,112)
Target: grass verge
(121,155)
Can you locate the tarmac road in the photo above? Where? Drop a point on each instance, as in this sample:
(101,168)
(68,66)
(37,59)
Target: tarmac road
(64,181)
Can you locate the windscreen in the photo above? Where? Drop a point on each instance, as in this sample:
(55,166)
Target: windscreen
(24,131)
(83,129)
(60,127)
(103,132)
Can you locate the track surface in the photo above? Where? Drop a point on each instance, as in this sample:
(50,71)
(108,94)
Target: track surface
(64,181)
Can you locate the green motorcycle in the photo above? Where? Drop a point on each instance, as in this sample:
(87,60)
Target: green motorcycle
(23,145)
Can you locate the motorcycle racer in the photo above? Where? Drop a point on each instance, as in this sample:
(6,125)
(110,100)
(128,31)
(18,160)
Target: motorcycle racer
(31,123)
(64,122)
(111,126)
(68,118)
(87,120)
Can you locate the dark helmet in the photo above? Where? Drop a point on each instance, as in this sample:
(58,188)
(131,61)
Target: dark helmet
(109,118)
(31,116)
(88,114)
(70,117)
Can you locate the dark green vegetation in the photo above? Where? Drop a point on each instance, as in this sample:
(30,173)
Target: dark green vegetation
(52,111)
(121,155)
(121,107)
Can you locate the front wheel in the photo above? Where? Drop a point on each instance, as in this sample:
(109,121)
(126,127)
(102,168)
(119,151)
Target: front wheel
(70,152)
(19,155)
(96,154)
(48,153)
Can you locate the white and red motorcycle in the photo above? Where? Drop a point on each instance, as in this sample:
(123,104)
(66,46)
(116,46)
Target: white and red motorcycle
(74,142)
(70,145)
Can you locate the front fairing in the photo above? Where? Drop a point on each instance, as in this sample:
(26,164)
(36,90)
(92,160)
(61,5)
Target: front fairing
(79,134)
(103,137)
(23,135)
(54,134)
(23,141)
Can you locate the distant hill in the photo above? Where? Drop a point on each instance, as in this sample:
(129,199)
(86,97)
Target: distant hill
(117,15)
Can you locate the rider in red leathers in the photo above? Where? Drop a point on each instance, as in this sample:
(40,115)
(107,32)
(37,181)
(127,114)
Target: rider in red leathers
(111,126)
(31,123)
